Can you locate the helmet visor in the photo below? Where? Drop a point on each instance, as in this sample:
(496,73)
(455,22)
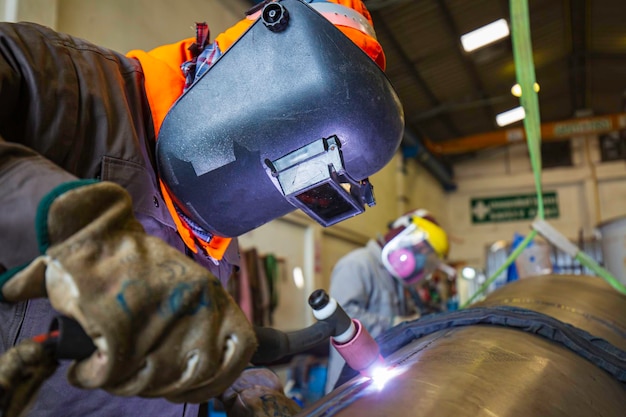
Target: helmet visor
(409,257)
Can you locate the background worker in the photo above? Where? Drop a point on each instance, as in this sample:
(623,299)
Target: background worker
(370,283)
(118,247)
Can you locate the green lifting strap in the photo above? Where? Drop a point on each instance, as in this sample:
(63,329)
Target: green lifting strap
(525,73)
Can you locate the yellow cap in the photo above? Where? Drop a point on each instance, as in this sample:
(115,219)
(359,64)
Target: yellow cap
(436,237)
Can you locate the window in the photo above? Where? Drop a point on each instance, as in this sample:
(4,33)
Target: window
(613,146)
(556,154)
(562,263)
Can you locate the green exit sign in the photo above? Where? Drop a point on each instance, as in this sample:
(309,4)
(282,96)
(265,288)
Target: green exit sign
(512,208)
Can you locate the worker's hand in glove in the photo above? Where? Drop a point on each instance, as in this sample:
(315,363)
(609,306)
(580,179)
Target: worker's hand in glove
(162,324)
(23,369)
(258,393)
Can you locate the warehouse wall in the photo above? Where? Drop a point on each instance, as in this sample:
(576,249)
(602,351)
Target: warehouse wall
(39,11)
(588,193)
(127,24)
(144,24)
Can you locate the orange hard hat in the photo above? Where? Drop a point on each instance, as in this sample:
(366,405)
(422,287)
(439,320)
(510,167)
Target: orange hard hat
(351,17)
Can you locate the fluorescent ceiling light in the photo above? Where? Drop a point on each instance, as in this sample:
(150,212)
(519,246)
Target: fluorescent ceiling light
(510,116)
(485,35)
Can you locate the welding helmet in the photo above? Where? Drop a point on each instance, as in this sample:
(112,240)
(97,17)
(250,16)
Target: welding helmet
(415,247)
(294,115)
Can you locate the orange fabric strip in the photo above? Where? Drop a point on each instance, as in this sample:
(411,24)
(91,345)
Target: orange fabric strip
(164,80)
(215,248)
(183,230)
(226,39)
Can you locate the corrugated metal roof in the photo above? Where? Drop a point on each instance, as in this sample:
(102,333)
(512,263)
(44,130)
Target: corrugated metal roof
(579,52)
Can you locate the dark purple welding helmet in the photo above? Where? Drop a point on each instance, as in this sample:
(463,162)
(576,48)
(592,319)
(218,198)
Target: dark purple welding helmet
(293,116)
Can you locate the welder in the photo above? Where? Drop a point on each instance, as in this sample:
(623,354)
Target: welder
(125,180)
(371,282)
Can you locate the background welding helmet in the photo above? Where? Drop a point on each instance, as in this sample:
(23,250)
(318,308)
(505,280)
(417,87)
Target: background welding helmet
(415,248)
(292,115)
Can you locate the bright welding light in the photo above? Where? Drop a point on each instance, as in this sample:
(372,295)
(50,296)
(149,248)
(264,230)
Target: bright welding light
(380,375)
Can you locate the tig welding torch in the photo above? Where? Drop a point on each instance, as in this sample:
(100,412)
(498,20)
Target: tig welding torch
(67,339)
(348,336)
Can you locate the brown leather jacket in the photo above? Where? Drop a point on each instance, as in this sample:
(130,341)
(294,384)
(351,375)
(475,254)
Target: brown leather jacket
(70,109)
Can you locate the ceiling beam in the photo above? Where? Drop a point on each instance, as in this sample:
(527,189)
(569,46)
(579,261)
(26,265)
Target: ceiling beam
(381,4)
(451,107)
(382,27)
(466,62)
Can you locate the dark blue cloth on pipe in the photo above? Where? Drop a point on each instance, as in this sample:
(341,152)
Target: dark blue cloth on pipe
(596,350)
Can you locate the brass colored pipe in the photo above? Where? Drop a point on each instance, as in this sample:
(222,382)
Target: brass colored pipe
(496,371)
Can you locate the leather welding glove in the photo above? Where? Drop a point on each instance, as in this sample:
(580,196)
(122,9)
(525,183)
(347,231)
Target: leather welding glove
(258,392)
(23,369)
(163,325)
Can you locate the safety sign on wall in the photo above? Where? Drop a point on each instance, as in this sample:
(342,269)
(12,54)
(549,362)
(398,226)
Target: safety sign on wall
(512,208)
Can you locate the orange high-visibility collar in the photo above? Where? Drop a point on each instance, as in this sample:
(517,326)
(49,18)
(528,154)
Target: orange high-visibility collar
(163,83)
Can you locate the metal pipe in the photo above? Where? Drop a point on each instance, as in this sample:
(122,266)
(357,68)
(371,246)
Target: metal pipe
(499,371)
(559,130)
(412,147)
